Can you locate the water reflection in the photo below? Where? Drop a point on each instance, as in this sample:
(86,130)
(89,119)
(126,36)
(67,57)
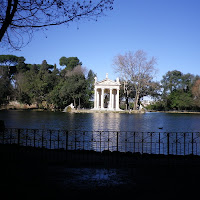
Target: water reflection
(114,131)
(154,122)
(106,121)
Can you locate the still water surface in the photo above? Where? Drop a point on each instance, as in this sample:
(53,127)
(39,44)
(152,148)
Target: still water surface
(102,121)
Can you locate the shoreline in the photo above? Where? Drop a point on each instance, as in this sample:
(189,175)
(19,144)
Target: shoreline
(107,111)
(177,112)
(99,111)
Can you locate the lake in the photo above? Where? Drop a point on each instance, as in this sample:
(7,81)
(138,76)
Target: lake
(106,131)
(153,122)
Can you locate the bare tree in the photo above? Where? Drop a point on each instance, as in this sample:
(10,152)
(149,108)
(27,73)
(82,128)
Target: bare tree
(20,18)
(137,69)
(78,70)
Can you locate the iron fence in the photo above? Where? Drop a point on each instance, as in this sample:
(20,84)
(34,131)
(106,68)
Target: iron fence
(176,143)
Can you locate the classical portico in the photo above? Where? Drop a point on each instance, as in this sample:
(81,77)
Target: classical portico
(106,94)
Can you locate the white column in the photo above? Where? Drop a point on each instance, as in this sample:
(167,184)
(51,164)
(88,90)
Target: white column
(114,100)
(95,98)
(117,100)
(111,99)
(102,98)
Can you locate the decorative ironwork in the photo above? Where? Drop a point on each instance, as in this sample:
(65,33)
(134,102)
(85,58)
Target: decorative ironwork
(176,143)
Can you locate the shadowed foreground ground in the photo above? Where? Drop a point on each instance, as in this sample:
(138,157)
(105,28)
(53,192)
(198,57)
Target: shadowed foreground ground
(37,173)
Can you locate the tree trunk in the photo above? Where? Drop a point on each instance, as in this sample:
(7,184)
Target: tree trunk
(9,17)
(79,106)
(74,103)
(136,100)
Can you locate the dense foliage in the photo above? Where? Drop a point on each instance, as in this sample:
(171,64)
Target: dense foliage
(179,92)
(44,84)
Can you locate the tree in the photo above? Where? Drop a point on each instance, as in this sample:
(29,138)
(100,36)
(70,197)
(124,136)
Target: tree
(7,70)
(21,66)
(176,80)
(71,88)
(137,69)
(8,63)
(55,98)
(43,84)
(153,90)
(90,83)
(5,86)
(26,87)
(187,81)
(8,60)
(180,100)
(75,87)
(171,81)
(20,18)
(89,89)
(35,84)
(196,92)
(75,84)
(70,62)
(178,90)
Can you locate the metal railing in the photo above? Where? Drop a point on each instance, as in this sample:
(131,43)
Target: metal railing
(176,143)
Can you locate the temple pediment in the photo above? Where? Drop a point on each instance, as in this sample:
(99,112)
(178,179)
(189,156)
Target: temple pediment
(107,82)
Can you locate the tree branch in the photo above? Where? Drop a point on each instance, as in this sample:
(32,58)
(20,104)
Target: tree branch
(21,17)
(9,17)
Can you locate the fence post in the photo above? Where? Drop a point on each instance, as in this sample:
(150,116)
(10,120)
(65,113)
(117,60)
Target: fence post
(42,137)
(184,143)
(2,129)
(83,140)
(117,141)
(151,134)
(192,143)
(134,141)
(75,140)
(126,142)
(159,142)
(50,139)
(66,142)
(108,141)
(18,136)
(176,144)
(142,141)
(3,132)
(34,132)
(26,137)
(167,143)
(100,141)
(58,139)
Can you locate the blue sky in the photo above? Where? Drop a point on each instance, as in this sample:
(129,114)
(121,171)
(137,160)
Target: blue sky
(166,29)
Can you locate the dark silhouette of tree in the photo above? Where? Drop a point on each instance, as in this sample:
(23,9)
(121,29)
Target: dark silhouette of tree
(20,18)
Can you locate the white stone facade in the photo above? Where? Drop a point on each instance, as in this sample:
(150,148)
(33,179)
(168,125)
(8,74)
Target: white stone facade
(106,94)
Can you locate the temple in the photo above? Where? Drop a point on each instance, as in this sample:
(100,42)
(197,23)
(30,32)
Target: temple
(106,94)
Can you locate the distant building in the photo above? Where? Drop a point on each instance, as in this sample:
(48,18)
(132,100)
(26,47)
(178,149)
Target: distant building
(146,102)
